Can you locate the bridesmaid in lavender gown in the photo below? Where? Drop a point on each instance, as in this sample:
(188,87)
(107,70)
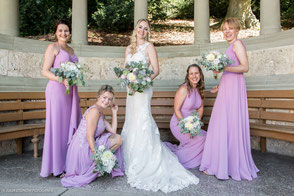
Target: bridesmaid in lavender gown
(62,111)
(79,165)
(227,151)
(188,98)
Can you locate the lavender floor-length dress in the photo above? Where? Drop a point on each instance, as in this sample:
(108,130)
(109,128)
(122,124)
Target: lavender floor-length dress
(227,150)
(189,151)
(63,115)
(79,165)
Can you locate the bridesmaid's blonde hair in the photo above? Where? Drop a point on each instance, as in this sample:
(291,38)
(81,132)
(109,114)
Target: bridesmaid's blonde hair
(105,88)
(133,44)
(232,22)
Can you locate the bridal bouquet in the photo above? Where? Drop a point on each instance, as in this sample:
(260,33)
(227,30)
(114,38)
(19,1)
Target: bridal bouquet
(104,160)
(214,60)
(191,124)
(72,72)
(135,75)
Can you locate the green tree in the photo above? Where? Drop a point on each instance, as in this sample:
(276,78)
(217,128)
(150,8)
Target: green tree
(114,15)
(39,16)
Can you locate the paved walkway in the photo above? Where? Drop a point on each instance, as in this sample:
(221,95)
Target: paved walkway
(19,175)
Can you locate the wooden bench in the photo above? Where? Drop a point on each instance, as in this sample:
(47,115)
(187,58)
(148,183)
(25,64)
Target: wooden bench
(22,114)
(271,114)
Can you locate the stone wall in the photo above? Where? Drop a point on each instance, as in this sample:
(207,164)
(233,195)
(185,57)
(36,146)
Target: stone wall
(264,62)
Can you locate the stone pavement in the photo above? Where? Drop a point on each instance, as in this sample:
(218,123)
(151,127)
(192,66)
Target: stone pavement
(19,175)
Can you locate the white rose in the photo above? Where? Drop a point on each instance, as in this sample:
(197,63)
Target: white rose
(188,125)
(101,148)
(189,118)
(210,57)
(131,77)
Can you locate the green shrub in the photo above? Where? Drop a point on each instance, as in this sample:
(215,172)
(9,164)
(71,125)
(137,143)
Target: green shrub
(158,9)
(114,15)
(181,9)
(39,16)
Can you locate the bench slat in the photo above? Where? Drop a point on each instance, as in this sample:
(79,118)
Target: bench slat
(276,128)
(10,106)
(21,133)
(20,127)
(254,103)
(271,94)
(277,116)
(254,114)
(278,104)
(34,105)
(8,117)
(34,115)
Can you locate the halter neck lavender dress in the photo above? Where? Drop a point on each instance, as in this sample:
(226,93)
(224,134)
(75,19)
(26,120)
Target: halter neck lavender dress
(189,151)
(63,115)
(79,165)
(227,150)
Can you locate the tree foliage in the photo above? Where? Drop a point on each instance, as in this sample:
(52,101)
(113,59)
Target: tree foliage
(114,15)
(287,13)
(39,16)
(158,9)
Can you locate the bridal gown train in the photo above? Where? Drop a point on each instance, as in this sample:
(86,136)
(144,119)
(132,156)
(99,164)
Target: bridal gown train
(149,164)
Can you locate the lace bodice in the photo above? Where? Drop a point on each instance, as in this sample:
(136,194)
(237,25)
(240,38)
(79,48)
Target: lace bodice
(140,55)
(82,129)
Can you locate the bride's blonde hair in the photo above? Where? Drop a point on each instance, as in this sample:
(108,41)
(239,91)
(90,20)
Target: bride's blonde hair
(133,44)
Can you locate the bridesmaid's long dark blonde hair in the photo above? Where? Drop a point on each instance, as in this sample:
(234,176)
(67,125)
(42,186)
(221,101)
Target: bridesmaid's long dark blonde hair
(201,84)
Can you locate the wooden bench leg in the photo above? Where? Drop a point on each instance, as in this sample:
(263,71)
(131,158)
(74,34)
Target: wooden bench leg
(19,146)
(35,141)
(263,144)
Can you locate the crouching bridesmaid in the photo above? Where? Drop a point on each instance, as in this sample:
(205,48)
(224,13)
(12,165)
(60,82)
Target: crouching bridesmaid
(188,99)
(79,165)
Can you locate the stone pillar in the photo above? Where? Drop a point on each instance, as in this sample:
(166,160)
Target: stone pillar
(201,22)
(270,19)
(9,17)
(80,22)
(141,10)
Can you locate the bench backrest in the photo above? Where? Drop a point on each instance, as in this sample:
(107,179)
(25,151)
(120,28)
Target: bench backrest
(21,107)
(264,106)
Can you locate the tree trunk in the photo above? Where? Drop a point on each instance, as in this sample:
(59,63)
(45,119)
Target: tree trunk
(241,9)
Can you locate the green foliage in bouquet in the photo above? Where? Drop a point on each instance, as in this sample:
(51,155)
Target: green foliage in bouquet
(135,75)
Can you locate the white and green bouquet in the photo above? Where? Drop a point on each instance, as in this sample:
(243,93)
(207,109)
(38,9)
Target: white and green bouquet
(105,160)
(214,61)
(72,72)
(191,124)
(135,75)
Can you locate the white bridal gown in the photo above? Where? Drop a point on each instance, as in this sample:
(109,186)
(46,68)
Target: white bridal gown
(149,164)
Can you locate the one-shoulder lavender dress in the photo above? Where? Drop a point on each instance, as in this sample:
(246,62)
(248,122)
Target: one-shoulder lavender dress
(79,165)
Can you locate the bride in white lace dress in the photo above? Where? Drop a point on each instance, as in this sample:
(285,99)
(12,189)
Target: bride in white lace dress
(149,164)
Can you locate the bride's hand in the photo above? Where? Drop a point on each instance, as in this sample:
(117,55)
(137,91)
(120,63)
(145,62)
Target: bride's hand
(214,89)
